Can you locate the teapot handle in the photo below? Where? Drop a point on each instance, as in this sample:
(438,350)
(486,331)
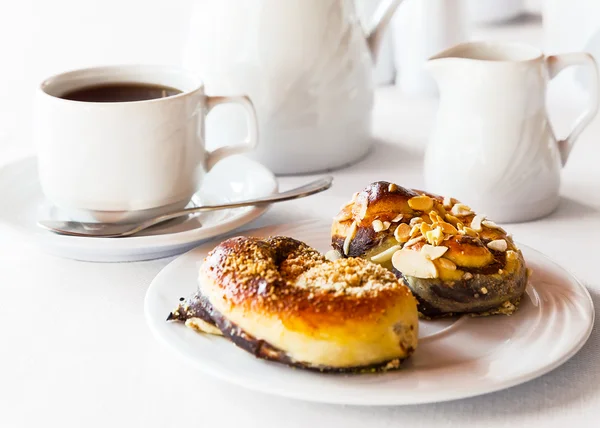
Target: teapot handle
(556,64)
(379,23)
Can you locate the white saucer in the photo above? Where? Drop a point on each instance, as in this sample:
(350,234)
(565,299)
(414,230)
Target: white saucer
(456,358)
(233,179)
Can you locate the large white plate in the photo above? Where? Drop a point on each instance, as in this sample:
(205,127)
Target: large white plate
(456,358)
(233,179)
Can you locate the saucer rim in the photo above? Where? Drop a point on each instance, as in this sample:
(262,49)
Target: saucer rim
(155,244)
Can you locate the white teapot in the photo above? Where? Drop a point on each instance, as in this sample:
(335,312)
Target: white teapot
(306,64)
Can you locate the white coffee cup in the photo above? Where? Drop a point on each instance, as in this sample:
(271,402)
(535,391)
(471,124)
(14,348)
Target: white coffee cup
(126,161)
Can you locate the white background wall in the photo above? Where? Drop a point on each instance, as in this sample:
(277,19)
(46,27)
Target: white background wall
(42,37)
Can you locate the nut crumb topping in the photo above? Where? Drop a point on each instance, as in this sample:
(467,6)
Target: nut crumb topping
(352,276)
(283,275)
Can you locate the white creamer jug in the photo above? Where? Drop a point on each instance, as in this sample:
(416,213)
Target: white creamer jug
(492,146)
(306,64)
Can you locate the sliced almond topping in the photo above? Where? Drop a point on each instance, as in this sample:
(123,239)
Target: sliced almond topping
(497,245)
(392,187)
(484,290)
(460,210)
(421,203)
(447,202)
(435,217)
(446,264)
(511,255)
(402,233)
(414,263)
(435,236)
(448,229)
(414,241)
(333,255)
(343,216)
(451,219)
(386,255)
(424,227)
(397,218)
(476,223)
(415,220)
(470,232)
(416,229)
(377,225)
(426,219)
(490,224)
(432,252)
(202,326)
(467,275)
(363,211)
(349,237)
(347,204)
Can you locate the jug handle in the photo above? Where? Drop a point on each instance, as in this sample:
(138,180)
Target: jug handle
(556,64)
(379,23)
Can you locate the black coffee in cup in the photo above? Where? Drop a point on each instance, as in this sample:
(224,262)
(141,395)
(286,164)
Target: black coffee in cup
(119,92)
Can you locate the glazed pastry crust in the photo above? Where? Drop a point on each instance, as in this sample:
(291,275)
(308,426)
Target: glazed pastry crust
(482,279)
(306,311)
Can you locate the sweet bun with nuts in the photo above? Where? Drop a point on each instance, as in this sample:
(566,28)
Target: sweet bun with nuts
(283,301)
(453,260)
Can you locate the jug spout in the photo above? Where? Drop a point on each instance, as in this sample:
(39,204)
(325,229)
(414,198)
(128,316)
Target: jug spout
(445,61)
(438,68)
(381,20)
(453,52)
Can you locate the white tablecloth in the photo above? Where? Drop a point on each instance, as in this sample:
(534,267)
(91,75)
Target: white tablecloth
(74,347)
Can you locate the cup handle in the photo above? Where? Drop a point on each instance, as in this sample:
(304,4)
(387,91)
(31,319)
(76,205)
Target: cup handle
(556,64)
(252,123)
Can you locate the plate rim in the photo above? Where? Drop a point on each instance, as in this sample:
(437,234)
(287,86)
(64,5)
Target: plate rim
(290,393)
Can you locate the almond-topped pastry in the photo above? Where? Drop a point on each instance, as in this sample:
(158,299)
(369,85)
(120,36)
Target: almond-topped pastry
(281,300)
(453,260)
